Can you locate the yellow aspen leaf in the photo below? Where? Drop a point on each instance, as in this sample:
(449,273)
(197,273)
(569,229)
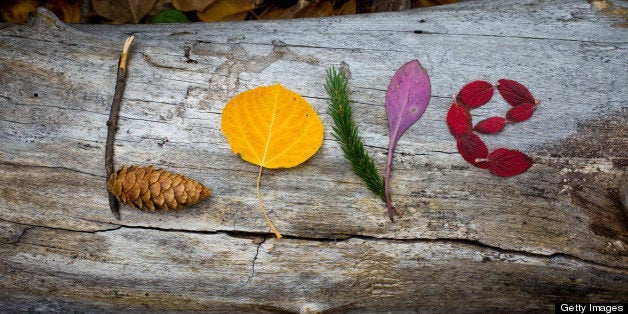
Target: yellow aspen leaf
(272,127)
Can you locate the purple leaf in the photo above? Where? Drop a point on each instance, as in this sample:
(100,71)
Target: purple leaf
(406,99)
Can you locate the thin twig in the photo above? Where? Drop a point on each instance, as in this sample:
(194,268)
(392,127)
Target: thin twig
(112,123)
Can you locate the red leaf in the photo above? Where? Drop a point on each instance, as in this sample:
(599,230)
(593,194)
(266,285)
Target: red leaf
(520,113)
(476,94)
(490,125)
(514,92)
(458,120)
(471,147)
(506,162)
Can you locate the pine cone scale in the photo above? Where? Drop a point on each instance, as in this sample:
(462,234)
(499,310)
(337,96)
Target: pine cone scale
(159,200)
(153,177)
(181,199)
(155,188)
(127,183)
(148,188)
(179,189)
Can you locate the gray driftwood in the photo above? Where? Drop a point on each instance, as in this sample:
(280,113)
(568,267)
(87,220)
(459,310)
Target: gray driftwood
(469,241)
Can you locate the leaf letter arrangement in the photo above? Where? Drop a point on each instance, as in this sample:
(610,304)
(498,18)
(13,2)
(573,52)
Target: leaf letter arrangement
(272,127)
(407,98)
(502,162)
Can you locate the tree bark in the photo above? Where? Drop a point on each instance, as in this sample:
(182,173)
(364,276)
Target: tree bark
(468,241)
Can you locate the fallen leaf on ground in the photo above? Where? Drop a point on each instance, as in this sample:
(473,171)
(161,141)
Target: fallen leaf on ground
(227,10)
(17,11)
(316,9)
(123,11)
(170,16)
(277,11)
(68,11)
(191,5)
(272,127)
(350,7)
(429,3)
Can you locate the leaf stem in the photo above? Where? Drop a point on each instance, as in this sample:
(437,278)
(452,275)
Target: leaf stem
(391,150)
(391,208)
(261,205)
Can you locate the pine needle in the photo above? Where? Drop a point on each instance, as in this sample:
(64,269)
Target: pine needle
(346,132)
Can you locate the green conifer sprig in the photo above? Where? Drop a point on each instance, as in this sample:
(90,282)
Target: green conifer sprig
(346,132)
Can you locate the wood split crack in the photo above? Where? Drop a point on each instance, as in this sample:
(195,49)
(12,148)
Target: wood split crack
(341,238)
(19,238)
(31,227)
(11,164)
(250,277)
(19,122)
(186,54)
(376,147)
(157,65)
(444,152)
(520,37)
(352,49)
(498,249)
(44,105)
(144,120)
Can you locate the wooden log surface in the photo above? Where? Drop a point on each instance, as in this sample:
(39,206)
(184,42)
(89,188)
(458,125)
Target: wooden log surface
(468,240)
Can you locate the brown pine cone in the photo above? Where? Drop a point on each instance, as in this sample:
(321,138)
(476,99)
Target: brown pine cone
(153,189)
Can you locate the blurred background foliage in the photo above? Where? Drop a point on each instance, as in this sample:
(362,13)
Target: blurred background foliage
(177,11)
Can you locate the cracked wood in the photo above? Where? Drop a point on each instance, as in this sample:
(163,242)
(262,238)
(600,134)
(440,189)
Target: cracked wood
(557,232)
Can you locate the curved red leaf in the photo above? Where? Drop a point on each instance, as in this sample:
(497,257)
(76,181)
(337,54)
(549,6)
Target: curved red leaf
(520,113)
(507,162)
(471,147)
(490,125)
(458,120)
(514,92)
(476,94)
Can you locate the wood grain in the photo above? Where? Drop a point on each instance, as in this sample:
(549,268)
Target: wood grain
(555,233)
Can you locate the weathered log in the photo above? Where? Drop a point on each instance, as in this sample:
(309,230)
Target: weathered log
(468,240)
